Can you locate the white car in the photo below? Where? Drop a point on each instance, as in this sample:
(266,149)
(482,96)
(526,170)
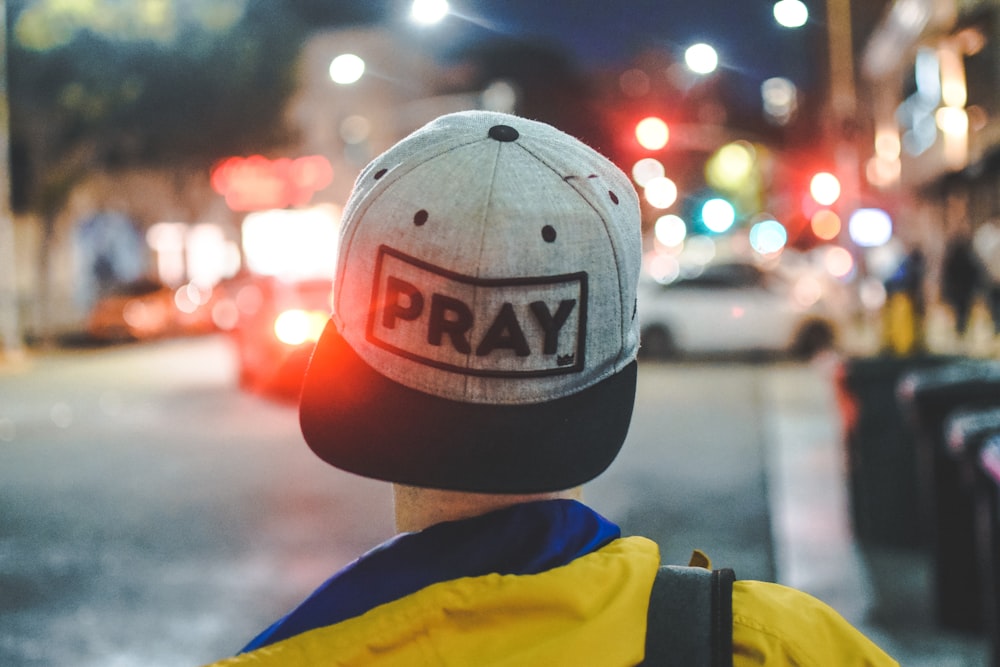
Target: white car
(733,307)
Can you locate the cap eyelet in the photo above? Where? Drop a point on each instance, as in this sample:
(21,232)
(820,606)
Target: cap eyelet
(420,217)
(548,233)
(380,173)
(504,133)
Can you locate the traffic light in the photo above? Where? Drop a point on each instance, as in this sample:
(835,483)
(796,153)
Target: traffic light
(652,133)
(709,212)
(824,188)
(816,219)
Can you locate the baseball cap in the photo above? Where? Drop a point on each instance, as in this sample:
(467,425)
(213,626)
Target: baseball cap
(484,330)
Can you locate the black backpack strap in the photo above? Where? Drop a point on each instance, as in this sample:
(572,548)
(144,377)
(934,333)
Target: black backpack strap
(690,618)
(722,617)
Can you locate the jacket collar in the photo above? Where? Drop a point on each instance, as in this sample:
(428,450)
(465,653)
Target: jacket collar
(522,539)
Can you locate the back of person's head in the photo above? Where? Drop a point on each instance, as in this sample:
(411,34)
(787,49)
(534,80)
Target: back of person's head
(484,329)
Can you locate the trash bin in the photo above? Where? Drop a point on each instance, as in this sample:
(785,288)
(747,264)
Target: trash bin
(961,522)
(927,398)
(880,454)
(988,538)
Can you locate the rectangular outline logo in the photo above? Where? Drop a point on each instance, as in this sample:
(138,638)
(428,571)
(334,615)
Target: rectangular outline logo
(375,309)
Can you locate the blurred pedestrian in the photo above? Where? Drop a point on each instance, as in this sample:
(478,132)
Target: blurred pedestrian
(960,279)
(986,243)
(905,309)
(481,357)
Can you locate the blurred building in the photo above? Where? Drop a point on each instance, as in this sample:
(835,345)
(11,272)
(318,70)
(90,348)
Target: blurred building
(352,121)
(187,232)
(99,244)
(929,72)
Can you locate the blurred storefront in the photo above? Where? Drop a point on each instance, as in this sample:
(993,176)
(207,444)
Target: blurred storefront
(180,232)
(929,72)
(107,244)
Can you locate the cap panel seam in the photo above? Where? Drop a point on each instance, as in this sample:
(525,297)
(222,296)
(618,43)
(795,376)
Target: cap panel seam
(358,207)
(620,356)
(482,242)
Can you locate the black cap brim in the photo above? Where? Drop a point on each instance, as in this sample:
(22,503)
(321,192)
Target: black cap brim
(360,421)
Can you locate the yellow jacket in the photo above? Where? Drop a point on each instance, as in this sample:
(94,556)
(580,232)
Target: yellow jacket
(589,612)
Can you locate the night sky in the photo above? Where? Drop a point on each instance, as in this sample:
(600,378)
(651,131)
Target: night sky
(604,34)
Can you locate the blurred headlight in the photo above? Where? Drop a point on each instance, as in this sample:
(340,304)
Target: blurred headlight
(807,291)
(294,327)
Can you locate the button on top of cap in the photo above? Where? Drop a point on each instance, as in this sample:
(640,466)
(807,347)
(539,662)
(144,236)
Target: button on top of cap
(503,133)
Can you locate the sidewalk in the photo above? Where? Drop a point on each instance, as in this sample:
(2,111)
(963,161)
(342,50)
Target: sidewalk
(885,591)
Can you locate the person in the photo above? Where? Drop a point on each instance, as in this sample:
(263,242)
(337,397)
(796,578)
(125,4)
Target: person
(905,308)
(960,279)
(986,243)
(481,357)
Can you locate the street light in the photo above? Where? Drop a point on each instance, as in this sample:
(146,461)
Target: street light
(346,68)
(791,13)
(701,58)
(428,12)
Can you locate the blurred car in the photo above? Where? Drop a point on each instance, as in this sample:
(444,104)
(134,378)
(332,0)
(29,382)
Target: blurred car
(733,307)
(277,306)
(147,309)
(274,325)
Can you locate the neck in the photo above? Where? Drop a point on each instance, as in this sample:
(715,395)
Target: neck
(417,508)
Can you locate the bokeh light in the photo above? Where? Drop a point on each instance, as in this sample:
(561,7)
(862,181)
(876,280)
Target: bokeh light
(780,99)
(838,262)
(731,166)
(664,268)
(500,95)
(661,192)
(699,250)
(952,120)
(652,133)
(646,170)
(670,230)
(824,188)
(254,183)
(718,215)
(292,327)
(806,291)
(870,227)
(189,297)
(291,243)
(428,12)
(826,224)
(701,58)
(347,68)
(768,236)
(791,13)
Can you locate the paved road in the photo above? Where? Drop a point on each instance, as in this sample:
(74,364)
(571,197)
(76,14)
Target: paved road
(150,514)
(691,474)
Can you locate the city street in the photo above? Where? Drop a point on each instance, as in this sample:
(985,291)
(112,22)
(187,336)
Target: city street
(807,190)
(152,514)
